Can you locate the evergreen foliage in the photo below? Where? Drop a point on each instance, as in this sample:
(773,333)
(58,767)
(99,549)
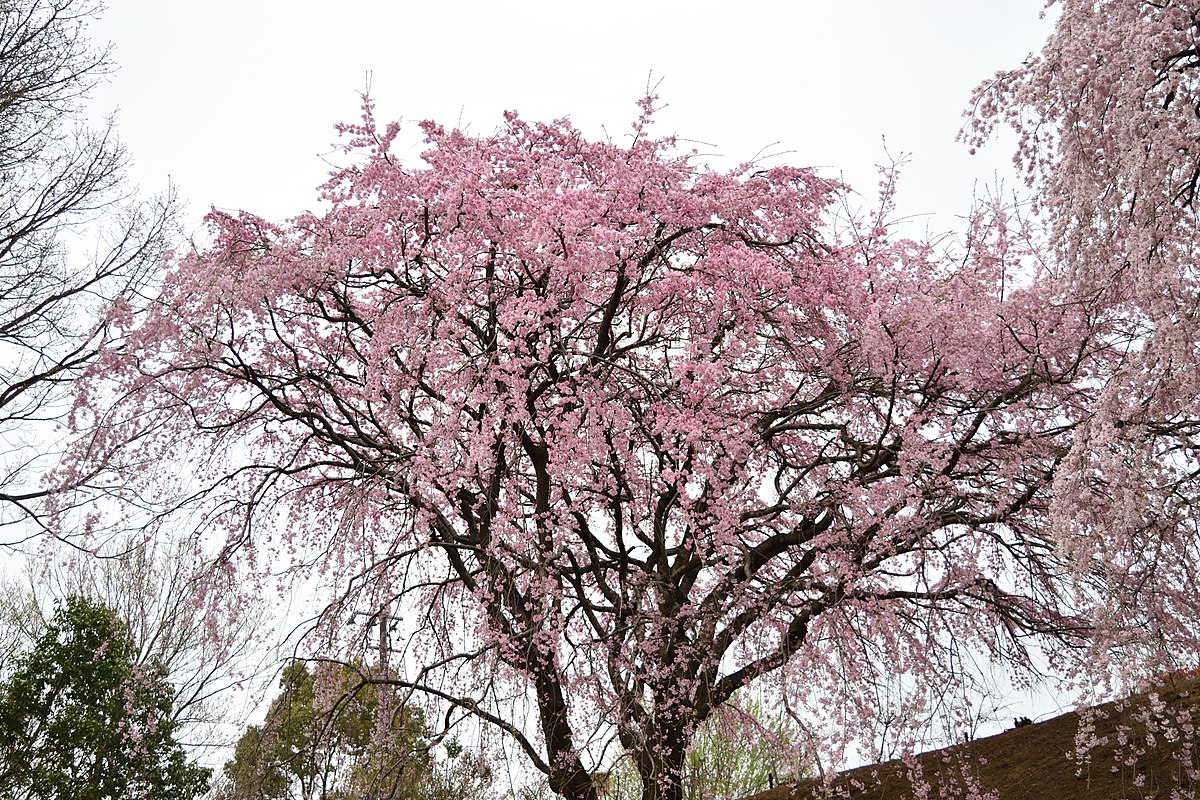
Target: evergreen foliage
(80,720)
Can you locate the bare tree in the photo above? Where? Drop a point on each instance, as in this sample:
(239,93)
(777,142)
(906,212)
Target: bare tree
(72,239)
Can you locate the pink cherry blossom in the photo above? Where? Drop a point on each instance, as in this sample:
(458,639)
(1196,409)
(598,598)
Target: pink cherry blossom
(623,435)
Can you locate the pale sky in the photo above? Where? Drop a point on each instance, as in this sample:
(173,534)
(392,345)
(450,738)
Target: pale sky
(235,100)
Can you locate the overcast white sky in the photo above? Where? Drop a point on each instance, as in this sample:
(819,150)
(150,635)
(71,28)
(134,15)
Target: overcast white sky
(234,100)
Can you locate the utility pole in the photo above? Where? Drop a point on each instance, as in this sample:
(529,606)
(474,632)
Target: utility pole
(383,619)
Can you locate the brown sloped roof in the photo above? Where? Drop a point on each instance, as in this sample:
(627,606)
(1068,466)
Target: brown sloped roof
(1035,762)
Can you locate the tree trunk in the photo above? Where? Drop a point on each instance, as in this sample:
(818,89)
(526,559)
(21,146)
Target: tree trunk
(568,778)
(662,770)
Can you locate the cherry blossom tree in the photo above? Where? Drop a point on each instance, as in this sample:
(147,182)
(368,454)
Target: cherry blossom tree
(623,434)
(1108,115)
(1110,134)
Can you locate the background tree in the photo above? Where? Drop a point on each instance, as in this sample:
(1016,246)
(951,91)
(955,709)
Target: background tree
(326,735)
(201,633)
(70,241)
(17,635)
(80,720)
(629,435)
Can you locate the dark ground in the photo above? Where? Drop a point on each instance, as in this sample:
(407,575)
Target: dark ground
(1035,762)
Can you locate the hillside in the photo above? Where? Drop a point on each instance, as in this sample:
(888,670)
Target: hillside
(1035,761)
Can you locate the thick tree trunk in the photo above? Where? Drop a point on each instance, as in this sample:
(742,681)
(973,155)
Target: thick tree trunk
(572,781)
(662,768)
(568,778)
